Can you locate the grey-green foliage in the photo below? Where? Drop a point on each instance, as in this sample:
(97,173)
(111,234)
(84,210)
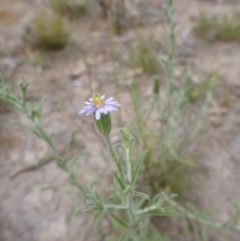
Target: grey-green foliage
(49,32)
(196,91)
(141,56)
(33,113)
(217,28)
(128,206)
(166,133)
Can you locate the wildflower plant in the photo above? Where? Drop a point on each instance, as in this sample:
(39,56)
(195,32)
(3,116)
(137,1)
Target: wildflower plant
(127,207)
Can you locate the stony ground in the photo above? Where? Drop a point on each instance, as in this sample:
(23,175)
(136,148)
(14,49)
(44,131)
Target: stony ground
(26,212)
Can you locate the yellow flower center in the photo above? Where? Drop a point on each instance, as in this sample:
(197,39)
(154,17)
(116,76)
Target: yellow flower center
(97,100)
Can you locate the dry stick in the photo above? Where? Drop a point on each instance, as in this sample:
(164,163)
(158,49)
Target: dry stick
(34,167)
(30,168)
(113,53)
(90,75)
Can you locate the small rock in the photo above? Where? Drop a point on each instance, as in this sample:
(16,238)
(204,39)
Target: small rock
(215,120)
(79,70)
(219,111)
(10,63)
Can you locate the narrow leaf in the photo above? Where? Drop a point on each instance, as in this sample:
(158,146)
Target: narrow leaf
(75,160)
(19,124)
(141,194)
(119,181)
(53,187)
(125,236)
(71,213)
(118,220)
(139,204)
(98,197)
(153,200)
(138,167)
(164,213)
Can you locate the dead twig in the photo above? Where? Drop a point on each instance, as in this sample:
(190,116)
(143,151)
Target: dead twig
(34,167)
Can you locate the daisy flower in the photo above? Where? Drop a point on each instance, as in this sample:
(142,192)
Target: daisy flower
(98,105)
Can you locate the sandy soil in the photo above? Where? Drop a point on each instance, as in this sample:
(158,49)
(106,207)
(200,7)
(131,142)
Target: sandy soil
(26,212)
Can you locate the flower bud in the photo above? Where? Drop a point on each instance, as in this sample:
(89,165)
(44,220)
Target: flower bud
(126,137)
(103,124)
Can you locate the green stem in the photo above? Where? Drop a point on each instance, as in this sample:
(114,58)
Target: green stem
(129,207)
(129,166)
(167,112)
(129,196)
(115,207)
(147,210)
(131,216)
(113,155)
(140,126)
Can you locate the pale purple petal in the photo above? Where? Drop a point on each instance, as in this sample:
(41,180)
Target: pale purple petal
(86,108)
(102,97)
(103,110)
(109,108)
(98,114)
(87,103)
(82,111)
(110,102)
(109,99)
(113,104)
(89,112)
